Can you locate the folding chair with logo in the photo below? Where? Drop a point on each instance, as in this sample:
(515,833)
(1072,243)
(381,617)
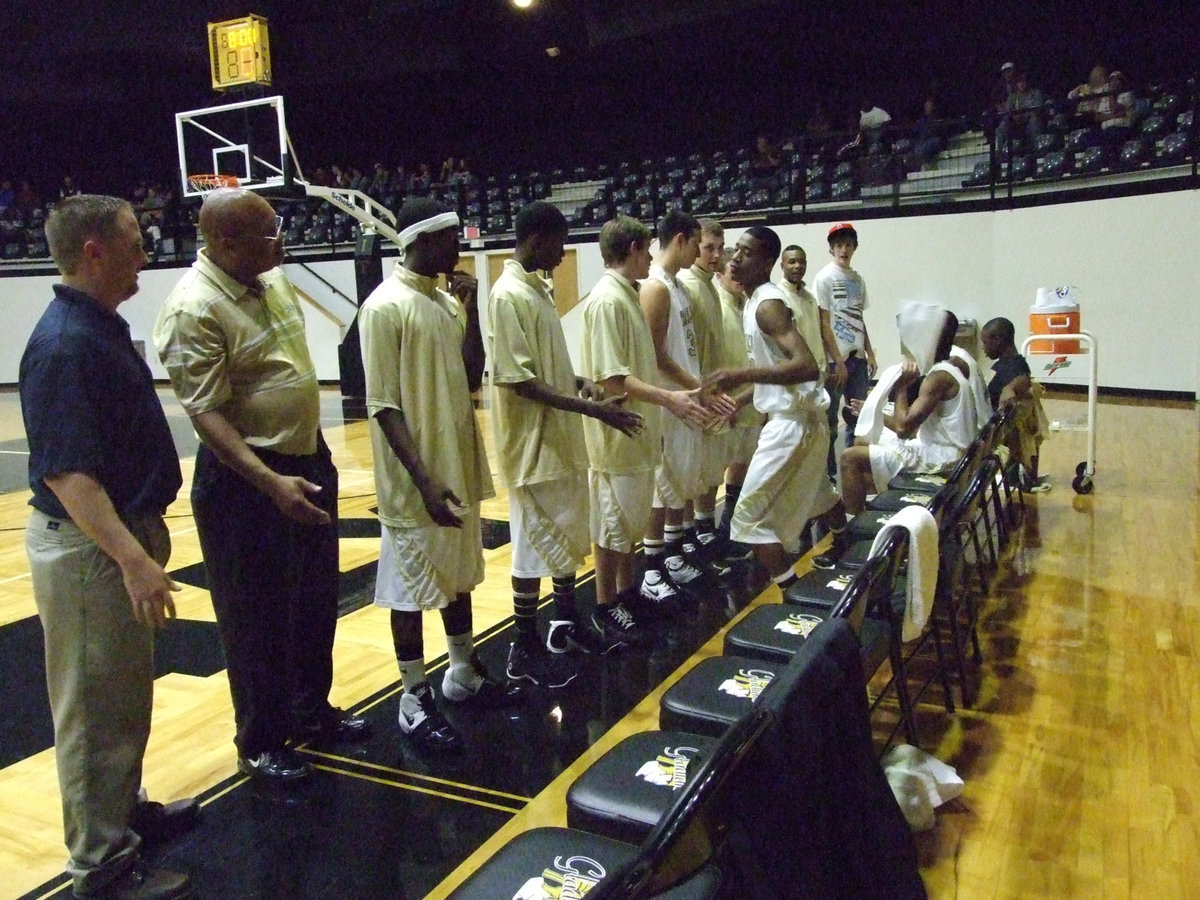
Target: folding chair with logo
(674,861)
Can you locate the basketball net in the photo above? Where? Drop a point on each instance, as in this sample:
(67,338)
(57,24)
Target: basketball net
(205,183)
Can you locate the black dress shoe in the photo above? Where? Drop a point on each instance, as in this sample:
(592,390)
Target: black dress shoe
(143,882)
(275,766)
(337,726)
(156,822)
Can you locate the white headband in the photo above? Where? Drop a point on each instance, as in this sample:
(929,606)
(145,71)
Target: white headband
(433,223)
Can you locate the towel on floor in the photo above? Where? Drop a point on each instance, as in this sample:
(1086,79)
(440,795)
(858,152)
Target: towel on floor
(921,783)
(922,565)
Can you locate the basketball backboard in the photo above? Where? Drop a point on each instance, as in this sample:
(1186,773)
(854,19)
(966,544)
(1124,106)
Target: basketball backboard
(247,139)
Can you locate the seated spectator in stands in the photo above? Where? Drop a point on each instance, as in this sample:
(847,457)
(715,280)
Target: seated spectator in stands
(871,120)
(67,188)
(447,170)
(818,126)
(27,199)
(1008,82)
(1116,111)
(1023,116)
(7,194)
(1089,95)
(422,179)
(927,435)
(1012,385)
(929,135)
(766,159)
(999,100)
(379,180)
(765,164)
(402,180)
(462,173)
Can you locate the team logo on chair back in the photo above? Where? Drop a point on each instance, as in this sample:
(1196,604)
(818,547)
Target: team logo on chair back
(669,768)
(747,683)
(798,624)
(568,879)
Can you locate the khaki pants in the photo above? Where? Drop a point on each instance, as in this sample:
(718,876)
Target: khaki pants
(100,677)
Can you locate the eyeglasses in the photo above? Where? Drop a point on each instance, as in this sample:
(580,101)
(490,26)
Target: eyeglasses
(278,230)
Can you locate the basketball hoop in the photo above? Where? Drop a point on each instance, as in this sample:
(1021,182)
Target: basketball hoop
(204,183)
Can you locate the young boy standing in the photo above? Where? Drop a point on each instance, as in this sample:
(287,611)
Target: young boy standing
(842,295)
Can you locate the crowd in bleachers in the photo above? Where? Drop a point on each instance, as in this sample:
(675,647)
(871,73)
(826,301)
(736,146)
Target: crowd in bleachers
(1103,125)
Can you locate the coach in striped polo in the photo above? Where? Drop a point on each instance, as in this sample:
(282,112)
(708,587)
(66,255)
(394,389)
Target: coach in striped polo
(231,336)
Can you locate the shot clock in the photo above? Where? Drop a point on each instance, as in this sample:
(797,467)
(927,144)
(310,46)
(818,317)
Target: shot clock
(239,52)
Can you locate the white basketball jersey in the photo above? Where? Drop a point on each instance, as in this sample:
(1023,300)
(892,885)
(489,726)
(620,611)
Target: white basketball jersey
(954,422)
(681,332)
(776,399)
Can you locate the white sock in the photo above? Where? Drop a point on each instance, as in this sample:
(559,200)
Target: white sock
(412,673)
(460,648)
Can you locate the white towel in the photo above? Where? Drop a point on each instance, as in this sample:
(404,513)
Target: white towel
(921,783)
(922,565)
(870,420)
(920,326)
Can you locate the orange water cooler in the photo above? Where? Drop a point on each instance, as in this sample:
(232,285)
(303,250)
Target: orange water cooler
(1055,312)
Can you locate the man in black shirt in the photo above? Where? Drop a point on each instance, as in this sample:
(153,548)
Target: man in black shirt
(1012,385)
(103,469)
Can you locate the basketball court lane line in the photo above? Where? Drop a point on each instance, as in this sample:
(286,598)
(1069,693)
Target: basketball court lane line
(415,788)
(404,773)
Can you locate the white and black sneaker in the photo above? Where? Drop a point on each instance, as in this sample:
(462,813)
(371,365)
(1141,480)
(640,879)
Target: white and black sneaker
(659,593)
(471,684)
(617,626)
(688,579)
(528,660)
(424,724)
(568,635)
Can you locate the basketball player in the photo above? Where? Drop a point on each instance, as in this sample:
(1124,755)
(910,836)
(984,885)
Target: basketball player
(536,409)
(423,355)
(745,427)
(785,484)
(618,355)
(679,478)
(699,531)
(929,435)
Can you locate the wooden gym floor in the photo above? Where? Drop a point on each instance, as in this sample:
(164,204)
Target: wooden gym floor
(1081,757)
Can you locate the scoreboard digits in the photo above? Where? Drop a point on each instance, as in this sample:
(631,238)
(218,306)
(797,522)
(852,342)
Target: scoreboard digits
(239,52)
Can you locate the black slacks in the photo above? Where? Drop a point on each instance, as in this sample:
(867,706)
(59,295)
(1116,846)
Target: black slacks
(274,584)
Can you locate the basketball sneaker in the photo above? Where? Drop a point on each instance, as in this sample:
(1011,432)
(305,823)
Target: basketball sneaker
(617,625)
(565,635)
(684,576)
(659,594)
(829,559)
(470,683)
(702,552)
(528,660)
(424,724)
